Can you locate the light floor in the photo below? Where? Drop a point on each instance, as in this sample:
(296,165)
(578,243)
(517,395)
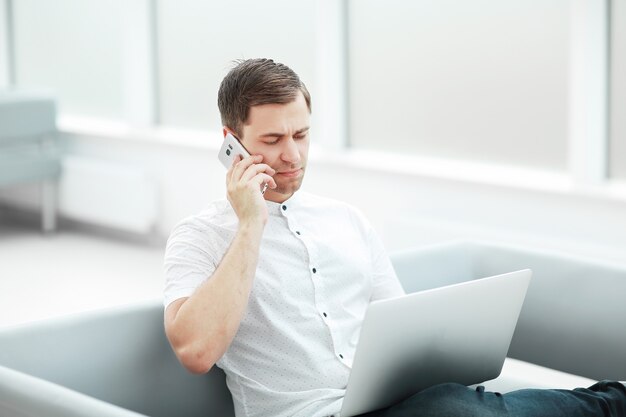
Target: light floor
(70,271)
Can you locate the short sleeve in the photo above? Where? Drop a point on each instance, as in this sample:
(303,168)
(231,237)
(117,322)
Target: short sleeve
(191,257)
(385,283)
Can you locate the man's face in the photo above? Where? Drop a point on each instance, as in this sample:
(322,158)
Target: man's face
(280,132)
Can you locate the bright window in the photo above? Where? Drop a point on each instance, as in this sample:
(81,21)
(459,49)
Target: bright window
(198,40)
(72,48)
(617,148)
(480,80)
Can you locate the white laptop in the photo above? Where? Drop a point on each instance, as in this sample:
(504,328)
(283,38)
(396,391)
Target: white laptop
(458,333)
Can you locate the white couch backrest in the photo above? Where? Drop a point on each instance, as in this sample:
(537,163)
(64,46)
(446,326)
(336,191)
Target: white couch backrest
(574,315)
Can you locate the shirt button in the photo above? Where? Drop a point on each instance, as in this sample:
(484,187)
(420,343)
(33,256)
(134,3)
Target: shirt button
(284,207)
(341,356)
(298,233)
(314,270)
(325,315)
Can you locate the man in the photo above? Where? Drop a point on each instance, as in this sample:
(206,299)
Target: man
(273,287)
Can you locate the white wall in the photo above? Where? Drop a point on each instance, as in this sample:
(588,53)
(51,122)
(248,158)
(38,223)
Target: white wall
(410,199)
(407,205)
(4,45)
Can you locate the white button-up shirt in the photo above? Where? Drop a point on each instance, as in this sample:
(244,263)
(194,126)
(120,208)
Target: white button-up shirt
(320,265)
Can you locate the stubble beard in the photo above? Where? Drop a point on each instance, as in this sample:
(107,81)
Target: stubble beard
(291,185)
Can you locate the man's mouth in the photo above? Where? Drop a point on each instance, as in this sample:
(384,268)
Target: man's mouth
(291,173)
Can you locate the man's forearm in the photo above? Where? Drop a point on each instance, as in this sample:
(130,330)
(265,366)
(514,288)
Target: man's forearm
(206,323)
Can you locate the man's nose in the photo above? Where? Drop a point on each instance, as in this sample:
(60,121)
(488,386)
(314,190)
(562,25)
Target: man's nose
(290,151)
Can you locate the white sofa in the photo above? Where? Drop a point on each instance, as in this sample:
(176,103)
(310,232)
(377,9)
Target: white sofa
(118,363)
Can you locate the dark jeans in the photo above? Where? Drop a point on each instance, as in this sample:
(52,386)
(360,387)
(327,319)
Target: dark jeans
(605,398)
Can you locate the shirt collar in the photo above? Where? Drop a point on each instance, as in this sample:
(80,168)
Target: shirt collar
(282,208)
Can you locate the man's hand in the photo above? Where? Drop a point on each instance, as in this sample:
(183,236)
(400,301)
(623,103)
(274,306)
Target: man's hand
(201,327)
(243,184)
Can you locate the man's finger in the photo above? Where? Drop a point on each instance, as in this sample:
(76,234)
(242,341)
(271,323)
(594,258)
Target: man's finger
(255,169)
(261,179)
(243,163)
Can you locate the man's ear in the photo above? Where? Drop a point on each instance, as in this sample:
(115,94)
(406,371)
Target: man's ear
(226,130)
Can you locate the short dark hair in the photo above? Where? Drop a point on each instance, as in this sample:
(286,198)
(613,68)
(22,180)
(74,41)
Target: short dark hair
(253,82)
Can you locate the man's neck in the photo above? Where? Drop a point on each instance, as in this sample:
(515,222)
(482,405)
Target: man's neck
(277,197)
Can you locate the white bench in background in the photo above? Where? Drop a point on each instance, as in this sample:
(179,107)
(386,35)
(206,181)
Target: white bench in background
(28,151)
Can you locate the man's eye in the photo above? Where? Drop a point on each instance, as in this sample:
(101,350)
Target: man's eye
(274,142)
(302,136)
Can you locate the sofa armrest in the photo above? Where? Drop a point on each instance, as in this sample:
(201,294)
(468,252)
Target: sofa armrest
(23,395)
(119,356)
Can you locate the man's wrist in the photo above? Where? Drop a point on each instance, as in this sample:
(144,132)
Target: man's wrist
(255,226)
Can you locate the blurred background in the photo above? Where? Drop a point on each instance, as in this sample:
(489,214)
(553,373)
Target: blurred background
(448,119)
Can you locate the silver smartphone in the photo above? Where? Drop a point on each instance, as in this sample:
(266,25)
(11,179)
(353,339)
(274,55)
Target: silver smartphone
(230,148)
